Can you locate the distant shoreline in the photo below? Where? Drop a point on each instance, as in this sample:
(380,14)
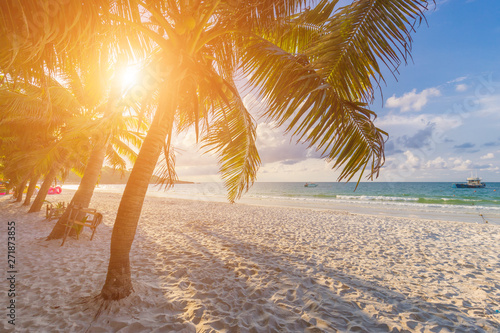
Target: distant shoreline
(215,192)
(124,183)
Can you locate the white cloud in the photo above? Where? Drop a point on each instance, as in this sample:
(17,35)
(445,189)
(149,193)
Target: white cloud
(458,79)
(488,156)
(411,160)
(252,103)
(412,101)
(437,163)
(458,164)
(488,106)
(461,87)
(311,169)
(398,125)
(268,135)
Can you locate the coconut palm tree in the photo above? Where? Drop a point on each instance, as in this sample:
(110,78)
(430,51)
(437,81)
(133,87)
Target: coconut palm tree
(36,130)
(31,188)
(112,130)
(40,36)
(102,123)
(315,68)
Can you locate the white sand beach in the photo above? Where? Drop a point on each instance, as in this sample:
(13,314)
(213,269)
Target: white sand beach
(215,267)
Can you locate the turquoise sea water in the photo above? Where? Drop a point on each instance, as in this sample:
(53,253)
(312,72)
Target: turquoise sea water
(404,194)
(416,199)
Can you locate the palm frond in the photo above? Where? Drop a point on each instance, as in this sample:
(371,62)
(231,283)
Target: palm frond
(312,110)
(297,33)
(359,37)
(62,98)
(232,137)
(115,159)
(261,14)
(123,149)
(165,168)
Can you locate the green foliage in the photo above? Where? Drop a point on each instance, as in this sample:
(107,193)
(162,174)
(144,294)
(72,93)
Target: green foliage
(314,64)
(78,227)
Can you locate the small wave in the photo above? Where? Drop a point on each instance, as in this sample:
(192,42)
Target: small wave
(377,198)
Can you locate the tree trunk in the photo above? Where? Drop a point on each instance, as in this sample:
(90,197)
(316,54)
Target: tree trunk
(31,189)
(20,190)
(83,195)
(118,282)
(42,193)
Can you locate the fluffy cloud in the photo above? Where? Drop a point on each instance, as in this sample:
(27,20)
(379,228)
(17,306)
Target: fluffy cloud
(395,123)
(411,160)
(412,101)
(458,164)
(311,169)
(275,146)
(252,103)
(437,163)
(269,136)
(461,87)
(487,156)
(488,106)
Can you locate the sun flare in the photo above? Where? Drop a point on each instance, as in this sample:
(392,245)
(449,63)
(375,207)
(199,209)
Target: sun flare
(129,77)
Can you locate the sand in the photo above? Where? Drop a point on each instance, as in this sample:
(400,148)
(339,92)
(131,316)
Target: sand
(214,267)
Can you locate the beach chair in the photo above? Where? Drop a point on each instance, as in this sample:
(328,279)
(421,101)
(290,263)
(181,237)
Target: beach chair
(83,217)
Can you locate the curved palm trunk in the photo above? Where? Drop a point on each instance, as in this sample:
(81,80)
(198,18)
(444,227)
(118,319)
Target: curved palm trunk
(85,191)
(20,190)
(42,193)
(31,189)
(118,282)
(83,195)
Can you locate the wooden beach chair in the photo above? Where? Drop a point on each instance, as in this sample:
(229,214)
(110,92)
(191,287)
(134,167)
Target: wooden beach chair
(84,217)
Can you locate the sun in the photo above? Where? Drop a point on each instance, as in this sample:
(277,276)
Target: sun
(129,77)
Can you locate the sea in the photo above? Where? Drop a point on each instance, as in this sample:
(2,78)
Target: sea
(429,200)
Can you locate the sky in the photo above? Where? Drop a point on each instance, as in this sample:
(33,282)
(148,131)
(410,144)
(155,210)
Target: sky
(442,111)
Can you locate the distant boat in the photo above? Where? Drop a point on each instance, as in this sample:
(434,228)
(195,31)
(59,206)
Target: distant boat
(310,185)
(472,182)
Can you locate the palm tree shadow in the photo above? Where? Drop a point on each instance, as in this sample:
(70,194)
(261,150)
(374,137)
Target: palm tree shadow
(235,284)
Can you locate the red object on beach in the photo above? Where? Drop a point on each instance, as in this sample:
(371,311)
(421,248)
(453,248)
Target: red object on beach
(3,189)
(55,190)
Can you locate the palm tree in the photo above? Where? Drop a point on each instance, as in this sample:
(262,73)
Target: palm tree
(28,125)
(31,188)
(46,138)
(39,36)
(90,94)
(42,38)
(110,131)
(314,67)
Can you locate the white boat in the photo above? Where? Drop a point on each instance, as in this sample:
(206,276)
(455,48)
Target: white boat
(472,182)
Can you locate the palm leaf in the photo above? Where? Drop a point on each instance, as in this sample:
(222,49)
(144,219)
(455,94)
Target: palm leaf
(165,169)
(232,137)
(359,37)
(312,110)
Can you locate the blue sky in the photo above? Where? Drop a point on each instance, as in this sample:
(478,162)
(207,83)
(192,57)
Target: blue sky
(442,113)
